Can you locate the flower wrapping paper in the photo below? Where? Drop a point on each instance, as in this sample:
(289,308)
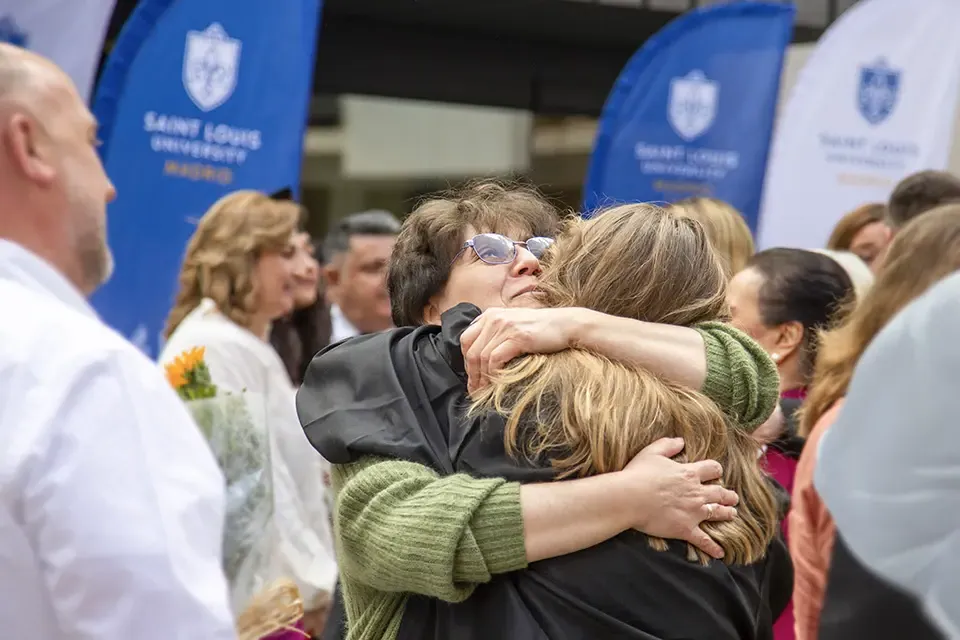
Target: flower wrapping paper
(241,445)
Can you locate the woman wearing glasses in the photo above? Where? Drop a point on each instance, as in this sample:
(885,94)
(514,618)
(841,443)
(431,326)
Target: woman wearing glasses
(413,532)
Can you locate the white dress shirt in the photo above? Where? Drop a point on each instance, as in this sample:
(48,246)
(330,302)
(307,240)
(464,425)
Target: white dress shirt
(240,361)
(889,470)
(111,505)
(340,327)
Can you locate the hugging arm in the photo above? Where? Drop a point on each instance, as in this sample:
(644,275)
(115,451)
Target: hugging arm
(401,527)
(729,367)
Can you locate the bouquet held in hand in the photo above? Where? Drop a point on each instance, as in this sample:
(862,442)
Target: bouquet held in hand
(241,445)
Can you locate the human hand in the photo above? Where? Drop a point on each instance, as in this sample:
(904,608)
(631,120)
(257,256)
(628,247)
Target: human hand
(670,498)
(500,335)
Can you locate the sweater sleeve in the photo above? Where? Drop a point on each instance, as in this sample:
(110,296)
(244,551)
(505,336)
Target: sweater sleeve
(401,527)
(741,377)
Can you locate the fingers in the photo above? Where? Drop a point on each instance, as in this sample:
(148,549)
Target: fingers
(715,494)
(705,543)
(473,358)
(706,470)
(469,336)
(501,355)
(718,513)
(666,447)
(725,497)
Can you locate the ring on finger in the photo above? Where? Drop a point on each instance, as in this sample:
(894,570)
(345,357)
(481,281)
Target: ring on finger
(710,510)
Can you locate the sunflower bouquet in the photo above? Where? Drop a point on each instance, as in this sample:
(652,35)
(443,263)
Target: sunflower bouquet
(242,449)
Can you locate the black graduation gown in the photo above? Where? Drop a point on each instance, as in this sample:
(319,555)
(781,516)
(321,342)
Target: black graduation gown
(402,394)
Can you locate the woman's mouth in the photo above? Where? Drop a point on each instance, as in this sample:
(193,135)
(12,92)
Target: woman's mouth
(526,290)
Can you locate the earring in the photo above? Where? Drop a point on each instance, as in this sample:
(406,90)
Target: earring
(775,357)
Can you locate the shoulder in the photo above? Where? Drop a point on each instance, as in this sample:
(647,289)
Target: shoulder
(206,328)
(62,371)
(51,339)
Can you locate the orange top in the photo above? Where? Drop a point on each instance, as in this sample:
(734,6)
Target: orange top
(811,535)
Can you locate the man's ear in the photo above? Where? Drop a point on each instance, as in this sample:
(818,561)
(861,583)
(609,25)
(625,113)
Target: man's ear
(331,275)
(22,142)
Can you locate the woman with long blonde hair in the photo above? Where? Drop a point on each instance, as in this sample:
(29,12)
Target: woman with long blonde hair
(575,413)
(926,250)
(236,279)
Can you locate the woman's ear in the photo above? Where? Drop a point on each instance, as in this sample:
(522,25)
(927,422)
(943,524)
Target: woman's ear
(431,313)
(789,339)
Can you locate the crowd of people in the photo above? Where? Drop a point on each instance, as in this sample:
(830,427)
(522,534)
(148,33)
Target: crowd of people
(494,419)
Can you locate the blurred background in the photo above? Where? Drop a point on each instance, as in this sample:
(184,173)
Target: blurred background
(516,90)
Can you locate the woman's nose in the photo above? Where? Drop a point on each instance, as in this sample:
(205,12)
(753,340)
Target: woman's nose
(525,264)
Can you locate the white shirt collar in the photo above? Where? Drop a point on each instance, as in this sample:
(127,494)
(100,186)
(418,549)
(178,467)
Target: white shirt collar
(341,328)
(26,268)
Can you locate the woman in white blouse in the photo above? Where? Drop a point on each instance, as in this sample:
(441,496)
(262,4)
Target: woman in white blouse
(235,281)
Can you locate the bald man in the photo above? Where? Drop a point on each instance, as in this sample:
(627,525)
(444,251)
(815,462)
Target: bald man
(111,505)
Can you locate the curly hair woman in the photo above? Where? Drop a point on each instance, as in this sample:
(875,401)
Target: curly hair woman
(235,281)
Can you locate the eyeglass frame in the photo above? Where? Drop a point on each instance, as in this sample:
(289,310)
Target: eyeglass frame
(470,244)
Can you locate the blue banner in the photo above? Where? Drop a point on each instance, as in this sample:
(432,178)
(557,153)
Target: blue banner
(692,112)
(198,98)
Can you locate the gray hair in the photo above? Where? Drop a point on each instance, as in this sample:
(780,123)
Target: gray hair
(367,223)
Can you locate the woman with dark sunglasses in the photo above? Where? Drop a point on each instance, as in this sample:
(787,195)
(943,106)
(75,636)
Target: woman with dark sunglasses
(382,408)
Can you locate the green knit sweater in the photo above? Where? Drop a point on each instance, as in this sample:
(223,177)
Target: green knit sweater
(401,528)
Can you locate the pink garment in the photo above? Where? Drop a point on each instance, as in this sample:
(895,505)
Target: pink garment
(783,468)
(297,633)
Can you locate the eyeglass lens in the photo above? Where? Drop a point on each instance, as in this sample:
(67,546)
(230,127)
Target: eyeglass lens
(496,249)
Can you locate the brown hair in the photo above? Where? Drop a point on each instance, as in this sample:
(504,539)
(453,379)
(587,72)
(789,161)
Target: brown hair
(802,286)
(433,234)
(919,193)
(727,230)
(841,239)
(590,415)
(924,252)
(221,254)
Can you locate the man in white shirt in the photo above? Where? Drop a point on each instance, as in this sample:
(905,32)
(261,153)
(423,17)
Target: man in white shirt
(357,251)
(889,470)
(111,505)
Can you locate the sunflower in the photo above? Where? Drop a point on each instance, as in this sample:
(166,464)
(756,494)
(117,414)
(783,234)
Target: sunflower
(179,371)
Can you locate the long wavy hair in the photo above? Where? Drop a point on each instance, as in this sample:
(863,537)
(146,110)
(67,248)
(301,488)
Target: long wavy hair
(926,250)
(223,251)
(725,227)
(587,414)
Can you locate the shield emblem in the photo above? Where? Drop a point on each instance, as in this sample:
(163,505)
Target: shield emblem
(210,64)
(692,105)
(11,33)
(877,91)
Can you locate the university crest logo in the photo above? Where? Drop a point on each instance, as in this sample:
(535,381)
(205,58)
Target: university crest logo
(692,105)
(210,65)
(877,91)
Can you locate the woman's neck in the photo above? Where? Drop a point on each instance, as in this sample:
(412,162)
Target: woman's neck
(260,326)
(791,376)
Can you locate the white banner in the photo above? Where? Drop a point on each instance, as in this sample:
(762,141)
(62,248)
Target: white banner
(875,102)
(69,32)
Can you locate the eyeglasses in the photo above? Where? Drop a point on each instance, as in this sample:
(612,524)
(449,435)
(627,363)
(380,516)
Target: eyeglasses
(494,248)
